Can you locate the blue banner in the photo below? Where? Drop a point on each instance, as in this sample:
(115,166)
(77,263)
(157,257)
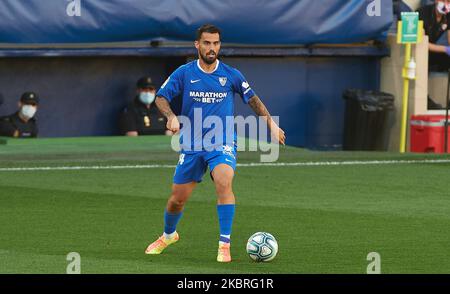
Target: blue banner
(284,22)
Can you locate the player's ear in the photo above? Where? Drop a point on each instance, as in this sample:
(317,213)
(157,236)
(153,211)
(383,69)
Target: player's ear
(196,44)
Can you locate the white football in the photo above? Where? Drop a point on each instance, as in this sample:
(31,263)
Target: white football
(262,246)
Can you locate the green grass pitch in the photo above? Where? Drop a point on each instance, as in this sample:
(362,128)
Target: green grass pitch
(326,218)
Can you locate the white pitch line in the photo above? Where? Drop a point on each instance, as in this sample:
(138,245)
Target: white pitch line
(354,162)
(275,164)
(95,167)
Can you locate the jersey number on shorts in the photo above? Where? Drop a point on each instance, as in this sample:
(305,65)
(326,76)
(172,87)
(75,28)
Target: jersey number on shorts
(181,160)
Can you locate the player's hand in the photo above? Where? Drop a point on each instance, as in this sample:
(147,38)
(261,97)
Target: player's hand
(173,124)
(278,134)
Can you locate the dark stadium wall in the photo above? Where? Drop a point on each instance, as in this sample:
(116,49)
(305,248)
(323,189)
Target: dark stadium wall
(306,93)
(84,57)
(83,96)
(79,96)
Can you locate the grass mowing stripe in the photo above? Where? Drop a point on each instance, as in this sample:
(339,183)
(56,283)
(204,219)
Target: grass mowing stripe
(277,164)
(323,242)
(326,209)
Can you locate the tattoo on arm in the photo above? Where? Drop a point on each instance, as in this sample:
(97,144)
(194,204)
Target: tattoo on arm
(164,106)
(258,107)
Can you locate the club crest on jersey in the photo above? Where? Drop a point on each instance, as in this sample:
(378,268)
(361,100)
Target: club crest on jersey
(223,81)
(228,150)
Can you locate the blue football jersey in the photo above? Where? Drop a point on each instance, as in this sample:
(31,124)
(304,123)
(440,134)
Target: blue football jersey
(208,103)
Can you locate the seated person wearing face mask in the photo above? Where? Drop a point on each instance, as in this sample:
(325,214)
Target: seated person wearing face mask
(22,124)
(436,19)
(141,116)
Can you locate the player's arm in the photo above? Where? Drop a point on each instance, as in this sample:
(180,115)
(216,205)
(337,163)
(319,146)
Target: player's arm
(260,109)
(163,105)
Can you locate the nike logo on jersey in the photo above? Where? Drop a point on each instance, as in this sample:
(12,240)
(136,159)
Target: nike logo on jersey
(195,81)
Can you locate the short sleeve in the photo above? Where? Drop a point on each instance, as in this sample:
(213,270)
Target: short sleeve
(127,123)
(173,86)
(6,128)
(242,87)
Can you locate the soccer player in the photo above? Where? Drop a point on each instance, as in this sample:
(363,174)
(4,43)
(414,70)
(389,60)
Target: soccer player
(207,86)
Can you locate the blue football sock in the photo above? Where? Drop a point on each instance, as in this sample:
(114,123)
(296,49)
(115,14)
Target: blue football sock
(171,221)
(226,214)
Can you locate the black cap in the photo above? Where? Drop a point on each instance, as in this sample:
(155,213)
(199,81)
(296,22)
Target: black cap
(29,98)
(145,83)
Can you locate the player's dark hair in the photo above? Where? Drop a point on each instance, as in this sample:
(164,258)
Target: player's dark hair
(207,28)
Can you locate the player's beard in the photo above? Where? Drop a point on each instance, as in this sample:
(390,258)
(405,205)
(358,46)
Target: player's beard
(207,59)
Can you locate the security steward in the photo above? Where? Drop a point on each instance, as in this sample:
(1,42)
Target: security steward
(22,124)
(141,116)
(436,19)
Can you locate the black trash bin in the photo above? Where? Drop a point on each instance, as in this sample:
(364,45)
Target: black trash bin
(366,116)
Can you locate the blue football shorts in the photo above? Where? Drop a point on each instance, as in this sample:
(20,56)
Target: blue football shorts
(193,165)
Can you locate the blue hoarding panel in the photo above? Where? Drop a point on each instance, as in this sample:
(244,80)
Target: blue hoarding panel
(243,22)
(306,94)
(83,96)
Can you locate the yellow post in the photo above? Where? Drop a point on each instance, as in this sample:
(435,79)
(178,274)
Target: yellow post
(407,77)
(405,100)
